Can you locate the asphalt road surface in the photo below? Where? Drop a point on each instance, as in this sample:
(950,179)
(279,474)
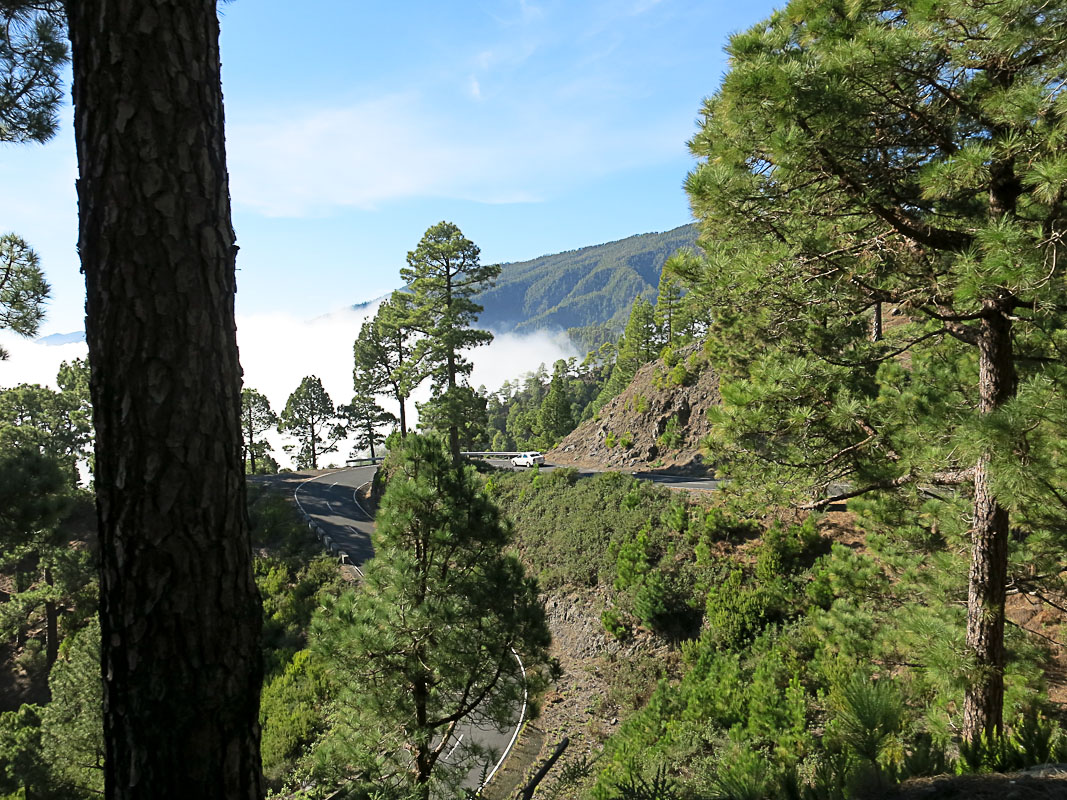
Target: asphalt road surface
(330,502)
(665,478)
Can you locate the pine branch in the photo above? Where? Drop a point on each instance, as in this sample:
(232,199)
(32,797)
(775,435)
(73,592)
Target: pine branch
(955,478)
(916,230)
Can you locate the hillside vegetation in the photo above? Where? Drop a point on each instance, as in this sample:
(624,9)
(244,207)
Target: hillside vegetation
(795,657)
(593,287)
(659,421)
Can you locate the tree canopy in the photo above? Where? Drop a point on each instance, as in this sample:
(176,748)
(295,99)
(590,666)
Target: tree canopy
(312,419)
(387,360)
(23,289)
(33,50)
(257,418)
(444,272)
(910,156)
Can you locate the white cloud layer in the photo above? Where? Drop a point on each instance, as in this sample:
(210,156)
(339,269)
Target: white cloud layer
(279,350)
(33,362)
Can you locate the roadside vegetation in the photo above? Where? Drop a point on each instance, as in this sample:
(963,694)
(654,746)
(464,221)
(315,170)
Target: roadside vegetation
(813,659)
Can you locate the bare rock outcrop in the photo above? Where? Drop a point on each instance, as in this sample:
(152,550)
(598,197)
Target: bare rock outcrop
(658,422)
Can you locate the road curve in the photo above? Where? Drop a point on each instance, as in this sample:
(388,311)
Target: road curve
(329,503)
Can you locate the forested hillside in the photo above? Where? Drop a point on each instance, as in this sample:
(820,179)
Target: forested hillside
(591,287)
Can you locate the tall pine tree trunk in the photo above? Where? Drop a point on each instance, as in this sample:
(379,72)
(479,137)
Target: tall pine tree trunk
(984,701)
(250,450)
(450,366)
(180,614)
(876,322)
(51,616)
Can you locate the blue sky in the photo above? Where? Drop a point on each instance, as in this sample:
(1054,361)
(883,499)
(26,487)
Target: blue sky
(536,126)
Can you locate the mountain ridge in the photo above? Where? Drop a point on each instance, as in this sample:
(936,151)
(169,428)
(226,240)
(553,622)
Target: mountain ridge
(590,286)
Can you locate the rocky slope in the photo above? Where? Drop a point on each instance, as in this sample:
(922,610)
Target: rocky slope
(657,423)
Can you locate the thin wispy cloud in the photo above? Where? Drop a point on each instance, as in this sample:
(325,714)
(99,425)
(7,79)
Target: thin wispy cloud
(304,162)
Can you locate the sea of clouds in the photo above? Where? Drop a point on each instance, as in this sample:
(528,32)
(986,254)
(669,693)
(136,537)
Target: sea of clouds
(279,350)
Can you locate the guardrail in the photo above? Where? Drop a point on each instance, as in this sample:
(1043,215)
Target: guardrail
(362,462)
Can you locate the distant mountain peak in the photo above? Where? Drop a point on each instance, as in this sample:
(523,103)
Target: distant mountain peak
(55,339)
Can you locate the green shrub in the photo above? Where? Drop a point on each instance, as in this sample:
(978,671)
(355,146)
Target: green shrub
(609,439)
(869,715)
(292,714)
(614,625)
(1032,740)
(734,611)
(676,518)
(672,437)
(743,774)
(679,375)
(637,787)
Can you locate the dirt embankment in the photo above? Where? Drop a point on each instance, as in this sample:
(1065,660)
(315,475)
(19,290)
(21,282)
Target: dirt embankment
(601,680)
(657,423)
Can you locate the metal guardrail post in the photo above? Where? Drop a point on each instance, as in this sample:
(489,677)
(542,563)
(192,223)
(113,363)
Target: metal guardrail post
(531,787)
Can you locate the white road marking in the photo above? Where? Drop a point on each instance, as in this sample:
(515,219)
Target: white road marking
(354,500)
(450,752)
(518,727)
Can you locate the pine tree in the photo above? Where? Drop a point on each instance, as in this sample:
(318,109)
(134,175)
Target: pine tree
(35,498)
(907,155)
(636,348)
(669,324)
(179,606)
(365,420)
(33,52)
(311,418)
(55,423)
(23,289)
(445,274)
(430,638)
(465,410)
(386,357)
(256,418)
(555,415)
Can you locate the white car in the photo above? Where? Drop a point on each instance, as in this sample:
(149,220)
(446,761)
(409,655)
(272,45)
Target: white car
(527,459)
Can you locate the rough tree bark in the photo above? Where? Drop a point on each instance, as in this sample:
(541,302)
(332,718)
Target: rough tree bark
(997,383)
(180,614)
